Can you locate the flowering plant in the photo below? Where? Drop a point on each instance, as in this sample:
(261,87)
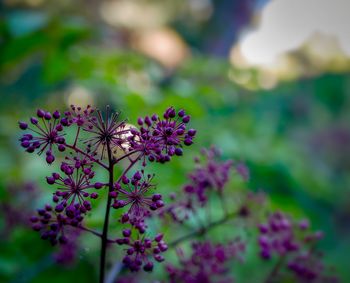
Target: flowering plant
(106,141)
(98,140)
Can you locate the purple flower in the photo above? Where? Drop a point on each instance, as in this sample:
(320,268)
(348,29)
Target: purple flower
(140,250)
(308,267)
(77,116)
(210,175)
(46,132)
(277,236)
(73,186)
(52,224)
(135,194)
(67,253)
(207,263)
(160,139)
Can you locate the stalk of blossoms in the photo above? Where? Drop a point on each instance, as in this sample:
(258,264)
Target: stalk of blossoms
(157,141)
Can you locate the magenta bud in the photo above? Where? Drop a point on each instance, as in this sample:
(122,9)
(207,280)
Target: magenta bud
(50,159)
(47,116)
(181,113)
(56,114)
(140,121)
(40,113)
(98,185)
(158,237)
(186,119)
(34,121)
(23,125)
(61,147)
(113,194)
(192,132)
(127,233)
(50,180)
(148,267)
(94,195)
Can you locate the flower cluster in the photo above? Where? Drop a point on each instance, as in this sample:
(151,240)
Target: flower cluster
(135,193)
(51,224)
(280,235)
(210,176)
(140,250)
(98,137)
(67,253)
(47,132)
(308,267)
(16,209)
(102,139)
(213,175)
(73,186)
(294,242)
(208,262)
(160,139)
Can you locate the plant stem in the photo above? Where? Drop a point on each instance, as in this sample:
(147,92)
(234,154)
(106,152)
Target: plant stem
(90,230)
(203,230)
(104,239)
(272,275)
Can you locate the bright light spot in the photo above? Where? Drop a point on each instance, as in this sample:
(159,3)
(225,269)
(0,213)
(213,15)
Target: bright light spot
(287,24)
(162,44)
(80,96)
(124,147)
(133,14)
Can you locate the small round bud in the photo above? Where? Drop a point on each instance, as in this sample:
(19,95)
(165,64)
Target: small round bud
(98,185)
(178,151)
(186,119)
(148,267)
(40,113)
(23,125)
(34,121)
(188,141)
(50,180)
(56,114)
(94,195)
(61,147)
(192,132)
(127,233)
(125,179)
(50,159)
(47,116)
(140,121)
(158,238)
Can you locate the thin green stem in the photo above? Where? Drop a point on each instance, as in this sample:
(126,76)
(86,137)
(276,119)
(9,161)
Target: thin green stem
(203,230)
(274,272)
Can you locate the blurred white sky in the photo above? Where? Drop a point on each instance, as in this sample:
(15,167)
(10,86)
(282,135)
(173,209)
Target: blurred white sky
(285,25)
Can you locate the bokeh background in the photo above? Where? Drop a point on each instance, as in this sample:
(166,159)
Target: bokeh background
(266,81)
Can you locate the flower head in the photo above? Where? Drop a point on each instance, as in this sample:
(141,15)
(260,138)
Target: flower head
(207,263)
(73,186)
(46,132)
(140,250)
(212,175)
(281,235)
(51,224)
(308,267)
(160,139)
(135,193)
